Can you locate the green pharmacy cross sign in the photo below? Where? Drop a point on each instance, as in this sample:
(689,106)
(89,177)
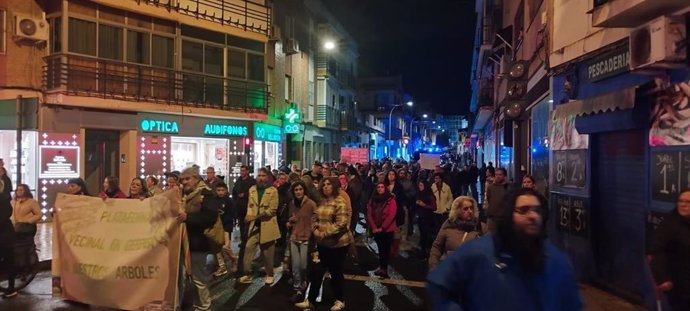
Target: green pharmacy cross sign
(291,121)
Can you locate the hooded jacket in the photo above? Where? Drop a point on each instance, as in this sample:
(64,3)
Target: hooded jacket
(453,234)
(381,212)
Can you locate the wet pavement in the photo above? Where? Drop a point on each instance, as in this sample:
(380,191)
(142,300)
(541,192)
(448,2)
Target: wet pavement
(403,291)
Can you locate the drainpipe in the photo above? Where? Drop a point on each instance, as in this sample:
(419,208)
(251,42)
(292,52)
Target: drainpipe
(20,126)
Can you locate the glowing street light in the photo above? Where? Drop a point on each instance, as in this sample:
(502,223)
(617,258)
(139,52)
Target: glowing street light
(425,116)
(329,45)
(410,103)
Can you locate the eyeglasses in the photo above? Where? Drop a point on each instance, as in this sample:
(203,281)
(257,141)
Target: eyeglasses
(524,210)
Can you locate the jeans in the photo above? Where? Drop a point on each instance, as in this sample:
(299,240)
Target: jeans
(267,249)
(411,207)
(332,259)
(299,254)
(426,230)
(201,276)
(383,242)
(243,243)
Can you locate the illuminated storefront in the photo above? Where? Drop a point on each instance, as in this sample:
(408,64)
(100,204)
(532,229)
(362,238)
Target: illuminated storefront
(267,145)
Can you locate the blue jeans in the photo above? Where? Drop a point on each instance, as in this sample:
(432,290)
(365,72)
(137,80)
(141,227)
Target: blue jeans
(299,254)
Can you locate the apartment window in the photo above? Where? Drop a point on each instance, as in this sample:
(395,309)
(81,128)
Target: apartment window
(82,36)
(192,56)
(55,34)
(255,68)
(213,60)
(110,42)
(2,31)
(163,51)
(236,64)
(138,47)
(288,87)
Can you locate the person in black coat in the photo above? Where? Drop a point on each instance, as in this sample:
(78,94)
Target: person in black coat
(669,254)
(7,238)
(222,204)
(240,195)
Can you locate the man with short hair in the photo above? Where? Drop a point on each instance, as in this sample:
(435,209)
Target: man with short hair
(223,204)
(198,215)
(240,194)
(315,172)
(262,226)
(495,194)
(211,179)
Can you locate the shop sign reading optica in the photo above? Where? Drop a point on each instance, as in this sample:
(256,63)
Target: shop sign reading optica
(291,121)
(266,132)
(225,130)
(159,126)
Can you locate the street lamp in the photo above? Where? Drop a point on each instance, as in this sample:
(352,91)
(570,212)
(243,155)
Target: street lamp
(390,120)
(329,45)
(425,116)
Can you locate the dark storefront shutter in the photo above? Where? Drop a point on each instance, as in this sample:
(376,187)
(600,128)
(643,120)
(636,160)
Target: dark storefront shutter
(618,210)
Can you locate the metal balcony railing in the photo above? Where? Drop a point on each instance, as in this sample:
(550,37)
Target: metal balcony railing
(328,117)
(87,76)
(243,14)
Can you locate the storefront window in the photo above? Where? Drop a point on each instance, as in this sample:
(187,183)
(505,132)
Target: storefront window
(29,157)
(258,155)
(540,144)
(204,152)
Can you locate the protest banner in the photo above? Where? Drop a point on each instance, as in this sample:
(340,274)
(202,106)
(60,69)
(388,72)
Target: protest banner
(428,161)
(354,155)
(117,253)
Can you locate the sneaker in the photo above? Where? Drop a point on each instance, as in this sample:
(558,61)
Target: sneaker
(338,305)
(381,273)
(304,305)
(10,295)
(269,279)
(222,270)
(246,279)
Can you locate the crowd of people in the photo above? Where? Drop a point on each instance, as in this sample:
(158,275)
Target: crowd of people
(308,221)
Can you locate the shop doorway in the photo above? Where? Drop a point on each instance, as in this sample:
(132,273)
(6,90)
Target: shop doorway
(101,157)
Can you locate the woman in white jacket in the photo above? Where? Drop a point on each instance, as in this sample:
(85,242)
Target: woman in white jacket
(444,198)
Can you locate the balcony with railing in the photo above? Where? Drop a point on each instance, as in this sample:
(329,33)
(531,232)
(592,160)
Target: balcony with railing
(328,117)
(254,16)
(326,67)
(94,77)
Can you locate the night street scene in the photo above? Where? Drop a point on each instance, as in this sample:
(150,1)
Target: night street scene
(392,155)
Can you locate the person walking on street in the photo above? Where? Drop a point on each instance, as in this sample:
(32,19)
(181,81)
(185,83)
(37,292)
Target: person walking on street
(7,239)
(462,225)
(381,219)
(516,264)
(25,214)
(669,254)
(426,207)
(223,204)
(240,194)
(262,226)
(331,230)
(300,223)
(495,193)
(198,215)
(444,197)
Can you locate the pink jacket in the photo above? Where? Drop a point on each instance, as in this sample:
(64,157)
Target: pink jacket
(389,210)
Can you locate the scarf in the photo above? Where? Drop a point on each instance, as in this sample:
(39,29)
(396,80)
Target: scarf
(464,225)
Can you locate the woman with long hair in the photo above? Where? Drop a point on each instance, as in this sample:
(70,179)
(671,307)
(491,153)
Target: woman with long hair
(301,209)
(462,225)
(25,213)
(425,203)
(331,232)
(77,186)
(381,212)
(111,188)
(529,182)
(394,186)
(137,189)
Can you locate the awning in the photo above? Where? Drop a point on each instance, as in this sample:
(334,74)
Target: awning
(483,115)
(618,100)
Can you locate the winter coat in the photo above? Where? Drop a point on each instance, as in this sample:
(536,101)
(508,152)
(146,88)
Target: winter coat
(6,227)
(301,224)
(200,216)
(470,276)
(386,211)
(242,187)
(332,219)
(400,202)
(449,238)
(670,251)
(494,197)
(114,195)
(26,211)
(266,211)
(444,197)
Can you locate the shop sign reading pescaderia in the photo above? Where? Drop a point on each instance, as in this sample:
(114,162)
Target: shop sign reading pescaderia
(609,64)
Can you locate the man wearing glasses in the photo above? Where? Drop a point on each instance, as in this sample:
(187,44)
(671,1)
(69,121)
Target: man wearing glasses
(516,263)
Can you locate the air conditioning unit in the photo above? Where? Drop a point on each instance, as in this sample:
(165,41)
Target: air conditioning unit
(291,46)
(275,33)
(659,43)
(31,28)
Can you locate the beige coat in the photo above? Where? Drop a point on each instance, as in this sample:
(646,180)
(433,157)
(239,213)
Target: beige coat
(443,198)
(266,212)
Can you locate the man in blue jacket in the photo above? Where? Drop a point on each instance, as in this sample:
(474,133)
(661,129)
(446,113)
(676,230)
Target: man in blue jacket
(515,268)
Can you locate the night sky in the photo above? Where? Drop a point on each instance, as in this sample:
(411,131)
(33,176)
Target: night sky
(428,42)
